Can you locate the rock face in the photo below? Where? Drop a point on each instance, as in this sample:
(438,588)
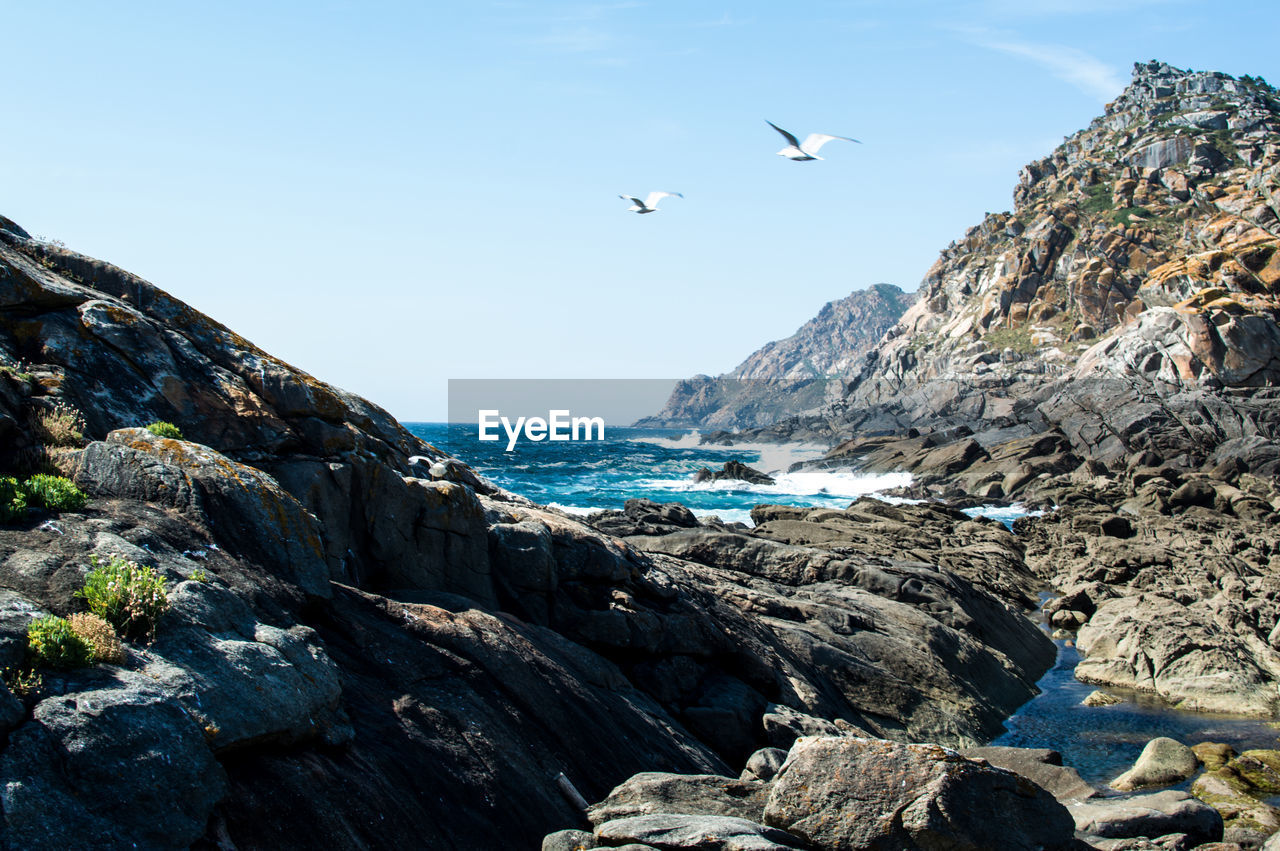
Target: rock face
(852,793)
(788,376)
(1154,815)
(352,609)
(1134,280)
(733,471)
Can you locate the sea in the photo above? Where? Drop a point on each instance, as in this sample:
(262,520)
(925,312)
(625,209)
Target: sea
(584,477)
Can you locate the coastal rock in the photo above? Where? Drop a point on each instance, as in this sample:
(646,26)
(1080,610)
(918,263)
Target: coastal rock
(862,793)
(1237,789)
(569,840)
(644,517)
(1154,815)
(764,764)
(1163,761)
(715,833)
(1101,698)
(1041,766)
(704,794)
(733,471)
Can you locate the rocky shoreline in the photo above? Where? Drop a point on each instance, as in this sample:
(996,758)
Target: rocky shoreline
(355,641)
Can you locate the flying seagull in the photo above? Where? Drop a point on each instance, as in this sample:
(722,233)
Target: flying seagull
(650,204)
(809,150)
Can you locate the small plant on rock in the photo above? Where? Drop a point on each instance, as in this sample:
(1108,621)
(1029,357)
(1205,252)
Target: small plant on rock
(23,682)
(51,642)
(13,502)
(56,493)
(60,426)
(126,595)
(100,636)
(160,428)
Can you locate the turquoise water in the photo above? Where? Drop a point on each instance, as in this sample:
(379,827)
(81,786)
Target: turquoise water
(581,477)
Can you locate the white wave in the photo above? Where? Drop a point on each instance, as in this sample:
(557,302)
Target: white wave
(728,515)
(1006,514)
(773,458)
(576,510)
(685,441)
(826,484)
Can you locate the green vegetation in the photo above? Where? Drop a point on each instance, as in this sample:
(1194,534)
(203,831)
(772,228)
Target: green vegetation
(160,428)
(52,643)
(15,373)
(13,502)
(126,595)
(1224,142)
(1097,199)
(56,493)
(199,575)
(1018,339)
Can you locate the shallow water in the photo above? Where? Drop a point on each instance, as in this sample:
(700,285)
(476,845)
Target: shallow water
(1103,741)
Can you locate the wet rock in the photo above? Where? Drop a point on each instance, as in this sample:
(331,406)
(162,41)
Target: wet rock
(861,793)
(645,517)
(733,471)
(1163,761)
(1213,755)
(1101,698)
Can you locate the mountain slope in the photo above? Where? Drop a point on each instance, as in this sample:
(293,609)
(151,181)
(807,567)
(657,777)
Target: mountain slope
(788,376)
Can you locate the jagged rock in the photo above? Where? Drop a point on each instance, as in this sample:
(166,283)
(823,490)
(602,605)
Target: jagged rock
(701,794)
(733,471)
(1163,761)
(672,832)
(1153,815)
(644,517)
(861,793)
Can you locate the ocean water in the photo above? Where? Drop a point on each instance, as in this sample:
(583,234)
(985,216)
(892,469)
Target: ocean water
(586,476)
(583,477)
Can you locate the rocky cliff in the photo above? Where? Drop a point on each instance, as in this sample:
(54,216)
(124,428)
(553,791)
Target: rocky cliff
(1129,299)
(368,646)
(789,376)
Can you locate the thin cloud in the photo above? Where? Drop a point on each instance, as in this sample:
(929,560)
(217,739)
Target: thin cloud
(1086,72)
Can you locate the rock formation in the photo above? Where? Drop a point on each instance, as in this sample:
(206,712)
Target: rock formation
(788,376)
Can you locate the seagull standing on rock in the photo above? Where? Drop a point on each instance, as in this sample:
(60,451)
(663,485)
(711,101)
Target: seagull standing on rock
(649,204)
(809,150)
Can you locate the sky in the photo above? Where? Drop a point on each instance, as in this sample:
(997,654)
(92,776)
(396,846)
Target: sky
(392,195)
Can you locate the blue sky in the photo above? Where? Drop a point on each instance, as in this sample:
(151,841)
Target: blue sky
(390,195)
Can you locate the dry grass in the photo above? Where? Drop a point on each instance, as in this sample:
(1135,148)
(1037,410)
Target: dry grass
(100,636)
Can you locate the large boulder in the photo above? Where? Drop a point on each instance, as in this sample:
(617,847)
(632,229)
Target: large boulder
(671,832)
(1041,766)
(849,793)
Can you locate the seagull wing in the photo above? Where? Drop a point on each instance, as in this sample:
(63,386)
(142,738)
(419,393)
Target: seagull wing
(655,197)
(814,141)
(785,134)
(633,199)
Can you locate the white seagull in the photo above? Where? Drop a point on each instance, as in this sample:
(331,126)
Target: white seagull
(649,204)
(809,150)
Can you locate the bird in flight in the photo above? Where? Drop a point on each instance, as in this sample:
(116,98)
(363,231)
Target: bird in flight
(809,150)
(649,204)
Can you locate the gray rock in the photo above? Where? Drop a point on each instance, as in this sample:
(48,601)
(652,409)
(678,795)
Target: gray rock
(692,794)
(569,840)
(866,793)
(714,833)
(764,764)
(114,763)
(1041,766)
(1157,814)
(1098,697)
(1162,762)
